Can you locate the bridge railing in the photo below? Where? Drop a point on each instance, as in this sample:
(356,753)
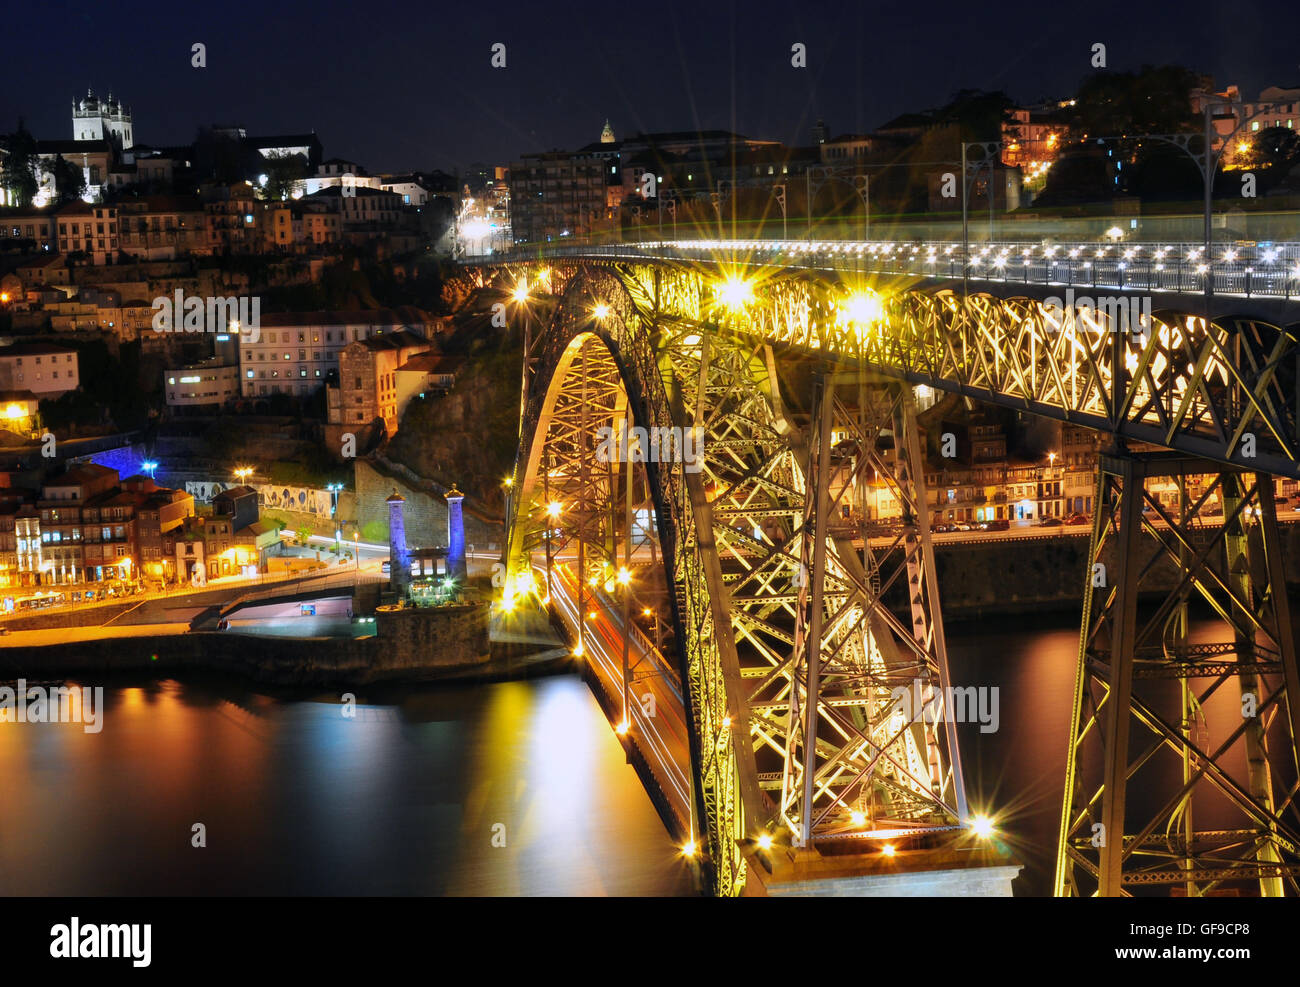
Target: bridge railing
(1242,269)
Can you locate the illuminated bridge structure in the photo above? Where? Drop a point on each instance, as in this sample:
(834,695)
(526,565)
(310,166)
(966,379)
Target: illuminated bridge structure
(793,673)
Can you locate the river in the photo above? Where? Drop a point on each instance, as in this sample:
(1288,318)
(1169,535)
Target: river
(517,788)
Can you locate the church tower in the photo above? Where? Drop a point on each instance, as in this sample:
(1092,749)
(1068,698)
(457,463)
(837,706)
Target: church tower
(607,135)
(94,119)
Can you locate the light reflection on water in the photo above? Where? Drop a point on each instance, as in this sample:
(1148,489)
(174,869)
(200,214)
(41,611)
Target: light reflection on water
(404,799)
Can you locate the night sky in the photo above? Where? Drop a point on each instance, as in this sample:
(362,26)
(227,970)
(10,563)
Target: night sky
(398,86)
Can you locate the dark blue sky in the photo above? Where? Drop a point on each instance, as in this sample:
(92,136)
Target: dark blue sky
(399,86)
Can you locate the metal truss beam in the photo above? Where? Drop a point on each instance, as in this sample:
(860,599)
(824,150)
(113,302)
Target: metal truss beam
(1128,736)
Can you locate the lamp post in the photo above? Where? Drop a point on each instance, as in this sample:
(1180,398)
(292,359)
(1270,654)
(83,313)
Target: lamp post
(1051,473)
(818,176)
(659,640)
(553,511)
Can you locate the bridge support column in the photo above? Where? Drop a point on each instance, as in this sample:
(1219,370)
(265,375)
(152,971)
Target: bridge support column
(1137,760)
(871,752)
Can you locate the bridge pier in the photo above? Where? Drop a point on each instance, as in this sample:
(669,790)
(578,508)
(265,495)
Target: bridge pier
(1127,735)
(974,872)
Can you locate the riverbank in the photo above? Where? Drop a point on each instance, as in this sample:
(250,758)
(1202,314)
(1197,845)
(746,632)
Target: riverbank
(1005,578)
(436,644)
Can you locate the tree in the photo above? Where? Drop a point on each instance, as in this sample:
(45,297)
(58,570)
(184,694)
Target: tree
(69,180)
(1153,100)
(19,171)
(283,173)
(1081,175)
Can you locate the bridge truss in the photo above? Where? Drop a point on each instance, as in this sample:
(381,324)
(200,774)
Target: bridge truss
(793,666)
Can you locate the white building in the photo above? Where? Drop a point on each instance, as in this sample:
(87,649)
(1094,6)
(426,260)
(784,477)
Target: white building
(411,191)
(210,384)
(46,370)
(296,351)
(96,120)
(338,173)
(365,207)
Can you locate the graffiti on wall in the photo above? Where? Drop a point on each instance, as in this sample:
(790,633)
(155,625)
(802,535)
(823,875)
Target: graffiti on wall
(306,500)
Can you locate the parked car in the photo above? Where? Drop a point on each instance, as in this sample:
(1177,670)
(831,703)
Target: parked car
(996,525)
(942,527)
(1078,518)
(1050,522)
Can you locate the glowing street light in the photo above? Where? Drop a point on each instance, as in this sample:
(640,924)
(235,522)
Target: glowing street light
(765,841)
(861,312)
(982,826)
(520,294)
(149,466)
(243,473)
(735,293)
(554,508)
(601,311)
(688,848)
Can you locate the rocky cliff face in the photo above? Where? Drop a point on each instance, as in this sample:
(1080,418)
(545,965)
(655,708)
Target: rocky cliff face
(468,437)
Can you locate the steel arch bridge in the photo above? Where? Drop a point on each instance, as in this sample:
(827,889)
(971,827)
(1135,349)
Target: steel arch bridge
(792,672)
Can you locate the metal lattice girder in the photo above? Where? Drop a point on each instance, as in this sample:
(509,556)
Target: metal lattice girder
(1223,390)
(861,759)
(741,532)
(590,367)
(1124,733)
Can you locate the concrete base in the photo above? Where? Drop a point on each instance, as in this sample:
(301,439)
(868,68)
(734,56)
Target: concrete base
(967,873)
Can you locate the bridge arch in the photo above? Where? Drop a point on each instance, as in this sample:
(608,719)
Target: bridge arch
(596,367)
(752,596)
(754,634)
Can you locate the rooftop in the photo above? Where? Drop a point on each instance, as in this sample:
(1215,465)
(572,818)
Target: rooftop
(432,363)
(402,316)
(33,349)
(81,473)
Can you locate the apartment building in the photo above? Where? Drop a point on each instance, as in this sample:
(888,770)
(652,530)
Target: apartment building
(86,527)
(45,369)
(296,352)
(38,227)
(207,386)
(82,538)
(164,227)
(559,193)
(367,385)
(91,230)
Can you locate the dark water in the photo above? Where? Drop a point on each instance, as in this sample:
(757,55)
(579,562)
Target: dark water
(407,797)
(1016,774)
